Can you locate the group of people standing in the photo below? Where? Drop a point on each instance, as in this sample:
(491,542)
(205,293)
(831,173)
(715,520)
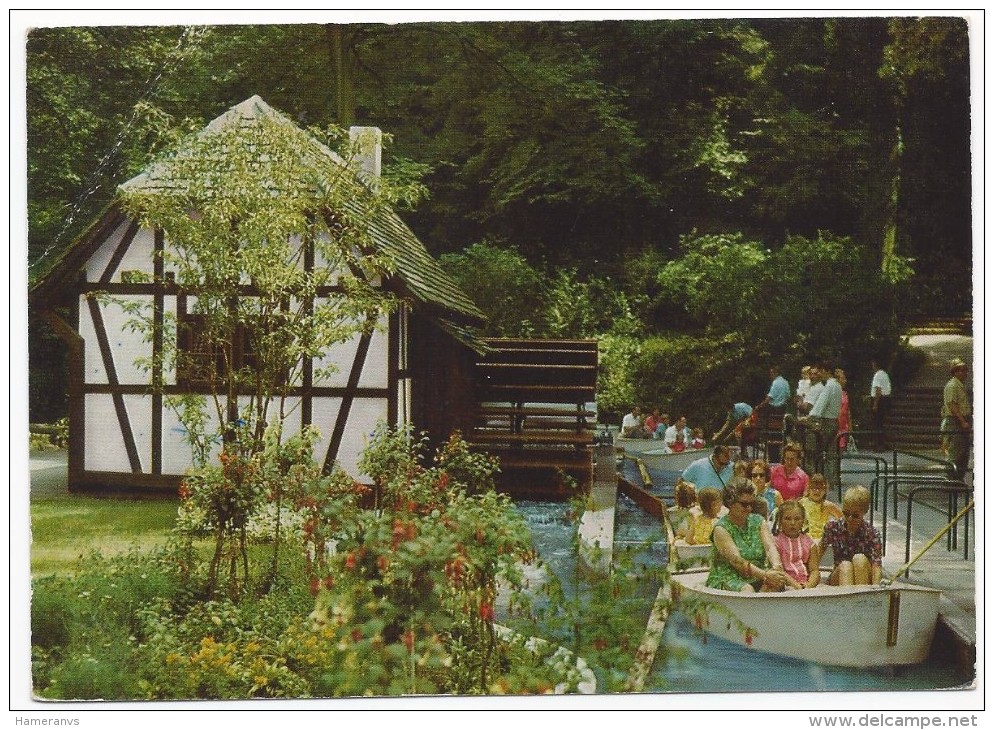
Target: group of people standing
(820,404)
(770,524)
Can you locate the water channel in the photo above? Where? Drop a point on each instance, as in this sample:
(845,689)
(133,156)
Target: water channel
(686,662)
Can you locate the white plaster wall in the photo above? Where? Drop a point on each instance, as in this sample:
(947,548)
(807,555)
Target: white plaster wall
(103,444)
(93,364)
(363,417)
(170,318)
(99,260)
(403,401)
(139,409)
(125,346)
(139,256)
(176,452)
(374,372)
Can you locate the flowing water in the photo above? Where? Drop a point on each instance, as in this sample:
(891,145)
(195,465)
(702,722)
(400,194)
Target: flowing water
(688,662)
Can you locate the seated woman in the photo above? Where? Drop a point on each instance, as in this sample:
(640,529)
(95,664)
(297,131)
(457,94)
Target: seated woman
(759,476)
(818,509)
(789,478)
(704,516)
(855,542)
(745,556)
(798,552)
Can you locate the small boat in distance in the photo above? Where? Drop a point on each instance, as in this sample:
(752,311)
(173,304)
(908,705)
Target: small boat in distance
(661,459)
(636,447)
(856,626)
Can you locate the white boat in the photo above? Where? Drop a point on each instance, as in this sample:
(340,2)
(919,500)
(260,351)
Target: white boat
(681,552)
(662,459)
(857,626)
(637,447)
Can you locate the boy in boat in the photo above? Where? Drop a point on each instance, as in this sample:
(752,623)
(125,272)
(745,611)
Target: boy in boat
(697,438)
(759,476)
(855,543)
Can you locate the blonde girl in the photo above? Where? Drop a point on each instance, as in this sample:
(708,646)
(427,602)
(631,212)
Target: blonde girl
(798,552)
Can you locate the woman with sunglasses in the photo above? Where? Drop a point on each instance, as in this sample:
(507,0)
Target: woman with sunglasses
(759,477)
(855,543)
(745,556)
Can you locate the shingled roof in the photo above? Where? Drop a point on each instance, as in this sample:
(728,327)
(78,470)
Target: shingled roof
(419,274)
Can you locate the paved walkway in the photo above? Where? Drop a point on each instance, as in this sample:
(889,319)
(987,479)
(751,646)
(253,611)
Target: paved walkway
(940,567)
(940,349)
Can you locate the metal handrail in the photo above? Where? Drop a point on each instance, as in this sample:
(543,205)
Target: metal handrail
(889,479)
(953,491)
(947,465)
(881,468)
(925,482)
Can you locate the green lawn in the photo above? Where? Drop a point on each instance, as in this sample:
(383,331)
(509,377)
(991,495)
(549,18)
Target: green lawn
(65,528)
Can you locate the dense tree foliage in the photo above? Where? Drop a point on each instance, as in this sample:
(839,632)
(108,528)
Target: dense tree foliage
(592,147)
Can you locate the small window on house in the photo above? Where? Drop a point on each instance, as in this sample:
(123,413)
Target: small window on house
(201,361)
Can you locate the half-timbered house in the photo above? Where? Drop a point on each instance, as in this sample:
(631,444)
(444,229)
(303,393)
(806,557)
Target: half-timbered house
(416,367)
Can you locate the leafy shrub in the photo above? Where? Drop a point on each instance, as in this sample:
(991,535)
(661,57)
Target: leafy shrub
(502,284)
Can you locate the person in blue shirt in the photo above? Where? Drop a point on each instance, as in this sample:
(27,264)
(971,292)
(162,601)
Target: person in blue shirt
(778,396)
(773,408)
(711,471)
(739,414)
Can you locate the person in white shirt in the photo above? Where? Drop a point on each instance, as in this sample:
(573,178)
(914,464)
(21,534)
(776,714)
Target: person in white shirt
(803,386)
(879,403)
(631,425)
(814,390)
(675,432)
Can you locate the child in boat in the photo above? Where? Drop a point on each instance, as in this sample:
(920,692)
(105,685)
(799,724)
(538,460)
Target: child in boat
(697,438)
(703,517)
(759,507)
(818,509)
(685,496)
(759,477)
(856,545)
(798,552)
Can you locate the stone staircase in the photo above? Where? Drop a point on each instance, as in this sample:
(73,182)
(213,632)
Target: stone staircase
(913,422)
(953,325)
